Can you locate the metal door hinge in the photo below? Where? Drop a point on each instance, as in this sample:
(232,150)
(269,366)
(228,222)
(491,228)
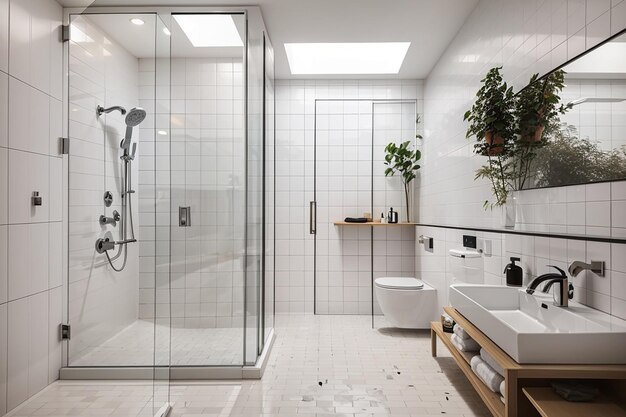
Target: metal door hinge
(65,331)
(65,33)
(65,146)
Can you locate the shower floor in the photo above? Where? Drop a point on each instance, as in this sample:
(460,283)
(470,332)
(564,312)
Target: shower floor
(134,346)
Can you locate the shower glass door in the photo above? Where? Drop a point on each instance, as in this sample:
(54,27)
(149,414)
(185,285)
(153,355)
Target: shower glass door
(118,264)
(350,141)
(208,190)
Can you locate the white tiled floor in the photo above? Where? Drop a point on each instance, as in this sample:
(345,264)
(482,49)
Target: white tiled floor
(133,346)
(320,366)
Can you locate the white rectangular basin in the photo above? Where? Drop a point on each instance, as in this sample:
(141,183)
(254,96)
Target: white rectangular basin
(531,329)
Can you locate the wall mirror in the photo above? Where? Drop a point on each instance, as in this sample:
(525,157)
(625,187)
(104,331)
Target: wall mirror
(589,142)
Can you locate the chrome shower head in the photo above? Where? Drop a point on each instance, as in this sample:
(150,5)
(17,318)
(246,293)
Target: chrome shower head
(134,117)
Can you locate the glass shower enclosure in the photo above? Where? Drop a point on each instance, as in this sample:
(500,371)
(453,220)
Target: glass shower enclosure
(170,197)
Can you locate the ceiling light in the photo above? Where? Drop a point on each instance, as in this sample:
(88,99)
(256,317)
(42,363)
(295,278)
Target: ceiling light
(167,31)
(209,30)
(162,132)
(137,21)
(346,58)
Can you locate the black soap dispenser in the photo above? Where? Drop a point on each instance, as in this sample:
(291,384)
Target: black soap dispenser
(514,273)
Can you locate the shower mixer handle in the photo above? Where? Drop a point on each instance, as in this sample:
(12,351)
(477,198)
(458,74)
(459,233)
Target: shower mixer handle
(110,220)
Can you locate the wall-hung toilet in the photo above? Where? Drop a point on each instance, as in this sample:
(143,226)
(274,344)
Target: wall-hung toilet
(407,303)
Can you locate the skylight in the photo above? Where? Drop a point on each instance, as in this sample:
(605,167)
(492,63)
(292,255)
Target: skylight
(346,58)
(209,30)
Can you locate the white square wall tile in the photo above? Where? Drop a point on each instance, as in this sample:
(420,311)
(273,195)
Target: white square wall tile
(18,352)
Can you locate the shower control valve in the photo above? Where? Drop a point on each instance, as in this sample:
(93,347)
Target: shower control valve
(36,199)
(110,220)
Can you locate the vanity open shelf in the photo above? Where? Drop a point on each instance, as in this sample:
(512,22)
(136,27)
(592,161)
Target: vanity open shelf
(527,385)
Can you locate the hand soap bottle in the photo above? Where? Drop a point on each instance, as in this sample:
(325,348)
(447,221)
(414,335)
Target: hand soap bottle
(514,273)
(392,217)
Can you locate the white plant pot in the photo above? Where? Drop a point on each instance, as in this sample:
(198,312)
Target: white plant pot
(508,214)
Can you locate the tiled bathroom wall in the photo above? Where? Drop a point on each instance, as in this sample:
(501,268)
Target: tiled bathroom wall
(31,237)
(206,157)
(525,38)
(101,301)
(345,140)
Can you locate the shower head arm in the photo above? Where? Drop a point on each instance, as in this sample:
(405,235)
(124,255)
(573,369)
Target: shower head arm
(101,110)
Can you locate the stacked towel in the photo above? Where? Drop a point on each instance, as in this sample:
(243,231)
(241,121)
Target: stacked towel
(503,388)
(464,345)
(489,360)
(486,373)
(459,331)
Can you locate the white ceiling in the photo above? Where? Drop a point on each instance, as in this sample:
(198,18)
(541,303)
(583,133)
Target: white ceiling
(430,25)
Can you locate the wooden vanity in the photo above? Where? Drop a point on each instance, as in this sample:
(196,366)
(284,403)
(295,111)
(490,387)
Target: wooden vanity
(528,390)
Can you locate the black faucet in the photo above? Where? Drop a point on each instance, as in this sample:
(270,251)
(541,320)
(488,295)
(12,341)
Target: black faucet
(565,292)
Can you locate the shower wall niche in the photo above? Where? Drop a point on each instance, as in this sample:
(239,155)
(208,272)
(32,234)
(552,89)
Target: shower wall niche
(194,292)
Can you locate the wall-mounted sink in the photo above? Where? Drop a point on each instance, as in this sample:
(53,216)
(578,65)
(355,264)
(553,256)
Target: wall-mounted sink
(532,330)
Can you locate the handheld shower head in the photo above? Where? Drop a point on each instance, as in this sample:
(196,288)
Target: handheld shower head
(134,117)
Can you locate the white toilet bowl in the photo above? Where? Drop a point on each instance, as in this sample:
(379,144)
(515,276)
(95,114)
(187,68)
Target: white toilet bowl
(407,303)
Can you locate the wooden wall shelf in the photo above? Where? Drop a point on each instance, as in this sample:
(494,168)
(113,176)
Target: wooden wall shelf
(369,224)
(523,379)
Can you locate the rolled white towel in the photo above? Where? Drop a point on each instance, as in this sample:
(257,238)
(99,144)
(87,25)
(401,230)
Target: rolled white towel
(467,345)
(490,377)
(503,388)
(459,331)
(489,360)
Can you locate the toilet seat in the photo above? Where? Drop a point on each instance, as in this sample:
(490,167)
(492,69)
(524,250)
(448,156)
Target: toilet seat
(399,283)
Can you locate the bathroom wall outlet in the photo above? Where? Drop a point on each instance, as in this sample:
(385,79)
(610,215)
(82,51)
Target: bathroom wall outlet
(469,241)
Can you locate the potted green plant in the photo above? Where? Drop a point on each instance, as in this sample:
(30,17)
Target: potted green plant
(492,124)
(491,118)
(401,160)
(538,105)
(537,110)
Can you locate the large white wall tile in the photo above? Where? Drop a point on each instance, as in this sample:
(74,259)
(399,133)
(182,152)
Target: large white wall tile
(29,118)
(18,352)
(37,343)
(4,35)
(55,318)
(19,40)
(28,259)
(4,186)
(4,264)
(3,355)
(4,109)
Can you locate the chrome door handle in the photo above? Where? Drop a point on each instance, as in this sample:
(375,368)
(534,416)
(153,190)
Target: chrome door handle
(184,216)
(312,217)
